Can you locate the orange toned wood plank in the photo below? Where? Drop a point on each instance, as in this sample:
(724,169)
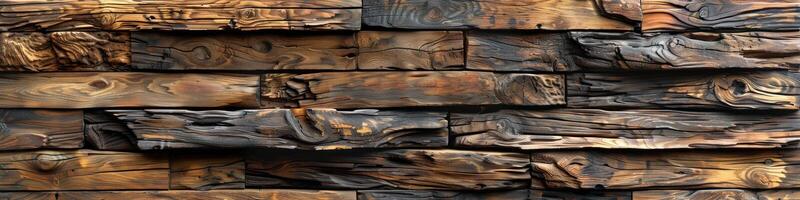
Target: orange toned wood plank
(35,129)
(64,51)
(198,170)
(740,15)
(416,50)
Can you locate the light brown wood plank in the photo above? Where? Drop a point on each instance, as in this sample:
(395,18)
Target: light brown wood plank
(442,195)
(198,170)
(251,194)
(741,15)
(416,50)
(35,129)
(64,51)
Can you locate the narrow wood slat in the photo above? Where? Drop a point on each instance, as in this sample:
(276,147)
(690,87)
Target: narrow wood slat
(442,195)
(579,195)
(282,194)
(206,170)
(35,129)
(713,194)
(740,15)
(64,51)
(416,50)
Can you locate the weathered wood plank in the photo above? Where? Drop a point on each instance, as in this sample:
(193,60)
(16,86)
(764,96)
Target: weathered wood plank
(417,50)
(442,195)
(628,129)
(64,51)
(501,14)
(579,195)
(408,89)
(206,170)
(35,129)
(710,194)
(28,195)
(770,15)
(243,51)
(388,169)
(123,89)
(82,170)
(778,194)
(749,90)
(751,169)
(282,194)
(103,131)
(518,51)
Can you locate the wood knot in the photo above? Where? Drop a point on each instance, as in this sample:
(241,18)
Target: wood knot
(99,84)
(738,87)
(760,177)
(46,162)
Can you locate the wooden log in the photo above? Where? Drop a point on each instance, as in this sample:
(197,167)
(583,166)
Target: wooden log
(288,194)
(751,169)
(442,195)
(90,90)
(502,14)
(206,170)
(82,170)
(418,50)
(389,169)
(103,131)
(628,129)
(64,51)
(741,15)
(28,195)
(35,129)
(409,89)
(283,128)
(760,90)
(243,51)
(579,195)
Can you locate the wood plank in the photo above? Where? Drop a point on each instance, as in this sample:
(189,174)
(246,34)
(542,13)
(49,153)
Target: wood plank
(501,14)
(747,90)
(283,194)
(579,195)
(733,169)
(416,50)
(206,170)
(519,51)
(283,128)
(82,170)
(103,131)
(414,169)
(64,51)
(769,15)
(409,89)
(709,194)
(35,129)
(626,129)
(28,195)
(778,194)
(127,89)
(442,195)
(243,51)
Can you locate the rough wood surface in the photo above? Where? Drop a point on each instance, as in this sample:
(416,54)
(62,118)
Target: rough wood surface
(64,51)
(35,129)
(754,169)
(251,194)
(778,194)
(749,90)
(243,51)
(580,195)
(124,89)
(82,170)
(103,131)
(442,195)
(388,169)
(670,15)
(28,195)
(417,50)
(206,170)
(284,128)
(710,194)
(518,51)
(501,14)
(408,89)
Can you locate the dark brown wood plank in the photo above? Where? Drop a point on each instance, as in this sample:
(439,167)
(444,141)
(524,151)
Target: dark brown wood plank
(416,50)
(778,194)
(35,129)
(770,15)
(282,194)
(103,131)
(579,195)
(64,51)
(388,169)
(442,195)
(243,51)
(28,195)
(206,170)
(519,51)
(408,89)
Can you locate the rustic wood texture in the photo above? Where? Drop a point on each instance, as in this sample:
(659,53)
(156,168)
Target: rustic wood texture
(82,170)
(750,90)
(283,128)
(710,194)
(628,129)
(127,89)
(580,195)
(410,89)
(251,194)
(500,14)
(103,131)
(442,195)
(35,129)
(243,51)
(778,194)
(518,51)
(754,169)
(771,15)
(388,169)
(64,51)
(417,50)
(206,170)
(28,195)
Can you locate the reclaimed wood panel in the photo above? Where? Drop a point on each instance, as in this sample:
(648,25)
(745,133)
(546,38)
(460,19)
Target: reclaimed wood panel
(740,15)
(579,195)
(127,89)
(416,50)
(388,169)
(282,194)
(502,14)
(82,170)
(103,131)
(409,89)
(442,195)
(243,51)
(196,170)
(519,51)
(64,51)
(35,129)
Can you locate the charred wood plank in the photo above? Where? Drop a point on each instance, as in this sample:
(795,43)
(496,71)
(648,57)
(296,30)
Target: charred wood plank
(769,15)
(212,195)
(36,129)
(442,195)
(103,131)
(64,51)
(206,170)
(418,50)
(579,195)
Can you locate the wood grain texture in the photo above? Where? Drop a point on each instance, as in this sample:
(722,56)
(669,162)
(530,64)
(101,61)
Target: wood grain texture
(519,51)
(442,195)
(35,129)
(64,51)
(409,89)
(579,195)
(742,15)
(416,50)
(283,128)
(82,170)
(28,195)
(123,89)
(710,194)
(749,90)
(388,169)
(243,51)
(498,14)
(206,170)
(778,194)
(753,169)
(627,129)
(103,131)
(247,194)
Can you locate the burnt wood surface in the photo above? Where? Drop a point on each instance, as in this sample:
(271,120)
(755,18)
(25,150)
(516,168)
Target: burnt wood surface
(720,15)
(103,131)
(196,170)
(416,50)
(580,195)
(64,51)
(35,129)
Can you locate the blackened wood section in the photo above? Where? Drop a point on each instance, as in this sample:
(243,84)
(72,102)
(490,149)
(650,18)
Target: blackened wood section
(283,128)
(28,195)
(518,51)
(754,169)
(243,51)
(750,90)
(418,50)
(281,194)
(388,169)
(64,51)
(709,194)
(579,195)
(35,129)
(741,15)
(103,131)
(499,14)
(442,195)
(628,129)
(408,89)
(123,89)
(206,170)
(82,170)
